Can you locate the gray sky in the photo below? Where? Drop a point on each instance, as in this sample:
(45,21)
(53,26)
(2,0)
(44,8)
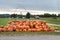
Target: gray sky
(31,4)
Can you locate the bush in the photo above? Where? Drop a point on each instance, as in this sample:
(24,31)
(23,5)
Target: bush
(13,15)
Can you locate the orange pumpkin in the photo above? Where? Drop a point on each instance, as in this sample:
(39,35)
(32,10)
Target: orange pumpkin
(33,29)
(4,29)
(39,29)
(24,30)
(10,29)
(29,29)
(0,29)
(17,30)
(20,29)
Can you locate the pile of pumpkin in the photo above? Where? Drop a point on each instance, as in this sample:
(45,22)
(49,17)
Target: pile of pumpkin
(27,25)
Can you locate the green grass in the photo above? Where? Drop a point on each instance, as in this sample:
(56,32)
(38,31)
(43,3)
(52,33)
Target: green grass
(4,21)
(57,27)
(51,20)
(28,33)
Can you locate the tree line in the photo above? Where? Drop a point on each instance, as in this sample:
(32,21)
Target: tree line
(28,15)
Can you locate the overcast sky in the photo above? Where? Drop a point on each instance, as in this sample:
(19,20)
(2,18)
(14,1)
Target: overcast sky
(31,4)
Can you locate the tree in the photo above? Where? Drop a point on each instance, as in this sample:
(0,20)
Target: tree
(47,15)
(13,15)
(54,16)
(58,15)
(28,15)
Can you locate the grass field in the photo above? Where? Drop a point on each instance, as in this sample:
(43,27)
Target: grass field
(50,20)
(28,33)
(4,21)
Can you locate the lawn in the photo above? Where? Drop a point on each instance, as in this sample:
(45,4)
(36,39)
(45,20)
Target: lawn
(51,20)
(28,33)
(4,21)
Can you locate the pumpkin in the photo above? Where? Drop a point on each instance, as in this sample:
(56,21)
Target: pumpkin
(20,29)
(29,29)
(17,30)
(4,29)
(24,30)
(10,29)
(0,29)
(33,29)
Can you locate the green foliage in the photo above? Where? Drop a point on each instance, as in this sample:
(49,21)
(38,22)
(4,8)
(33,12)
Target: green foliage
(28,15)
(13,15)
(47,15)
(58,15)
(54,16)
